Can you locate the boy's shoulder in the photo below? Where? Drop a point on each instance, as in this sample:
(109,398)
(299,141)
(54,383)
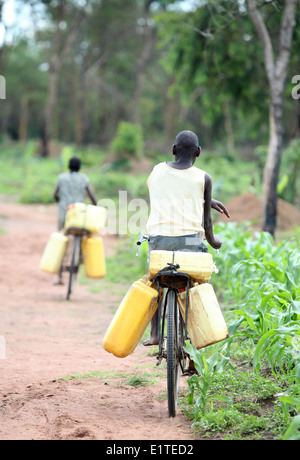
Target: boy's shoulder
(158,166)
(163,165)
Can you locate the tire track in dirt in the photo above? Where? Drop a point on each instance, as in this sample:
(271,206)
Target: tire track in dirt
(47,338)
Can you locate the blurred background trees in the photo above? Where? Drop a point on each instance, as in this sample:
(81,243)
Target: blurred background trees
(77,70)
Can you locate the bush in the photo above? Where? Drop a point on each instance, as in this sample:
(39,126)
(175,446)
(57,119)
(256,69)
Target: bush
(128,142)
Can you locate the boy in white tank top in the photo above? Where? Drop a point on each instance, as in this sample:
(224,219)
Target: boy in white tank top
(181,202)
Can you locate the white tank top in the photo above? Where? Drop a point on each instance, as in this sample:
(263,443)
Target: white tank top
(176,200)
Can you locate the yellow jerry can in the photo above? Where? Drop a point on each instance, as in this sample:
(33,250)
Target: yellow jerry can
(199,265)
(93,257)
(131,319)
(54,252)
(87,216)
(206,324)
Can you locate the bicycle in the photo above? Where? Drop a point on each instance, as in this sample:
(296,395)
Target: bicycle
(73,257)
(171,345)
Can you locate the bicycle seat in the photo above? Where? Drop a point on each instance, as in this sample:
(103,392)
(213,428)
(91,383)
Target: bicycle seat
(77,231)
(170,277)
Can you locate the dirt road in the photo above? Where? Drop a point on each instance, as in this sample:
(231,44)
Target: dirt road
(44,338)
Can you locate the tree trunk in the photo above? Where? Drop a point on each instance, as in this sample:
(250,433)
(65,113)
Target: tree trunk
(170,111)
(271,171)
(228,127)
(23,121)
(2,45)
(80,108)
(276,71)
(50,106)
(60,51)
(141,65)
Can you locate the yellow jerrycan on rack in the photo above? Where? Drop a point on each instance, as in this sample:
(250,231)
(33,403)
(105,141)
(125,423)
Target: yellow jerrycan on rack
(87,216)
(54,252)
(206,324)
(199,265)
(93,257)
(131,319)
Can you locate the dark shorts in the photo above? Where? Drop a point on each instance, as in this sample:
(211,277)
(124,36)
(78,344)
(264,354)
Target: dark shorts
(189,243)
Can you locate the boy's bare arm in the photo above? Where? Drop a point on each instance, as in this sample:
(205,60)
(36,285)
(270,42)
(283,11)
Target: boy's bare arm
(220,207)
(91,195)
(56,193)
(212,239)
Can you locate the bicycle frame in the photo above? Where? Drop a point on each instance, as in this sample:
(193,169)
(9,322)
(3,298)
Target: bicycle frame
(76,257)
(171,347)
(163,279)
(167,278)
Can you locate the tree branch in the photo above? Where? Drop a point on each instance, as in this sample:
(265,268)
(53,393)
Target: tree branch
(264,36)
(285,39)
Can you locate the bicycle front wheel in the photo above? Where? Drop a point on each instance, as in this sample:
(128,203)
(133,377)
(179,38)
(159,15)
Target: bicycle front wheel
(173,353)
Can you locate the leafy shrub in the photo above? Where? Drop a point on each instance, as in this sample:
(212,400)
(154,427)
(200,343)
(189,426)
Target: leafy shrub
(260,282)
(128,141)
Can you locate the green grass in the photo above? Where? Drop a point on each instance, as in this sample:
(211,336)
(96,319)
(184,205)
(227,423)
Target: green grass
(258,288)
(137,379)
(253,411)
(32,179)
(256,368)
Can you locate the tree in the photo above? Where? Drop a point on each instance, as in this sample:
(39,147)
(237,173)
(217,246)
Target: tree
(61,46)
(276,70)
(213,50)
(214,62)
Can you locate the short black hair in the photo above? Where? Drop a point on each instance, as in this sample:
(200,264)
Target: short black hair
(186,143)
(74,164)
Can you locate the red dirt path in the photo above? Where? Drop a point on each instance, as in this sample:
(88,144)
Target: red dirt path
(47,337)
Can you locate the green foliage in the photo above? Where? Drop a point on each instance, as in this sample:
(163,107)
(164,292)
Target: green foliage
(138,381)
(27,176)
(33,178)
(230,175)
(288,187)
(210,48)
(239,406)
(263,279)
(291,406)
(206,368)
(128,142)
(124,266)
(260,282)
(107,184)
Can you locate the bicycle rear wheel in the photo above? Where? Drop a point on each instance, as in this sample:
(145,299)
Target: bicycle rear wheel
(173,353)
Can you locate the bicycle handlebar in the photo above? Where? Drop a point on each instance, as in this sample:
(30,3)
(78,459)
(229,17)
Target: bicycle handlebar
(141,239)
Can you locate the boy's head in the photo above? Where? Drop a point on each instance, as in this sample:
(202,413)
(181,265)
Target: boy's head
(74,164)
(186,145)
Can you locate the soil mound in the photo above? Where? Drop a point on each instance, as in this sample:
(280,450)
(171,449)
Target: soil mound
(248,207)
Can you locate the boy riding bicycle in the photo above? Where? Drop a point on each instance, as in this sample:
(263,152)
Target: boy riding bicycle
(180,203)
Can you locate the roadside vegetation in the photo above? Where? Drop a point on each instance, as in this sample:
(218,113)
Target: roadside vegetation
(249,385)
(72,89)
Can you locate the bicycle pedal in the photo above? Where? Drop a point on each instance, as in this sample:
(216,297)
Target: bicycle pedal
(158,360)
